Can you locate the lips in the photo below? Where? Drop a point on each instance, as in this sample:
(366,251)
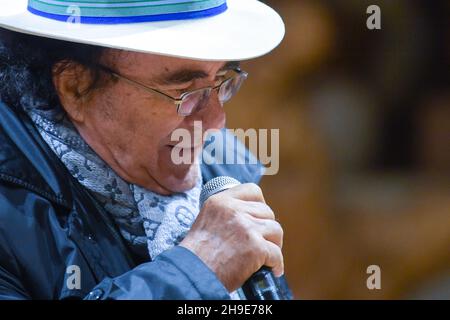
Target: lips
(181,146)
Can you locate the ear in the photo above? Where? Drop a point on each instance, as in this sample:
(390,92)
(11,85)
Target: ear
(71,81)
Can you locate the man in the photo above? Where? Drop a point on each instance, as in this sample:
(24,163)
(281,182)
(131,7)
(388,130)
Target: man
(92,204)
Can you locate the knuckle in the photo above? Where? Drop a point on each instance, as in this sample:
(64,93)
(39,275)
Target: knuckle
(242,227)
(258,245)
(279,228)
(275,228)
(276,254)
(268,212)
(272,259)
(280,254)
(217,204)
(254,189)
(213,201)
(271,212)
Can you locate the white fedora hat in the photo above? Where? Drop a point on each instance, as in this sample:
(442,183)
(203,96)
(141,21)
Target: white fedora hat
(217,30)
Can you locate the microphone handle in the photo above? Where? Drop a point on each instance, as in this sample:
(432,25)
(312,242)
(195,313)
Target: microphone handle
(262,285)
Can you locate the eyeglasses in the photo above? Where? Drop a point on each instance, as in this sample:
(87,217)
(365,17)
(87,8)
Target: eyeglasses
(193,101)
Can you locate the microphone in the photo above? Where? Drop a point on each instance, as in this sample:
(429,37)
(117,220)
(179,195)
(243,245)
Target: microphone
(262,285)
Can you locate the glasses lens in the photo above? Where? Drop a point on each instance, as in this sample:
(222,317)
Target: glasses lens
(193,101)
(230,87)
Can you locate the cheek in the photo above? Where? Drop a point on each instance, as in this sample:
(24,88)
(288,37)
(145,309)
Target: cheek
(153,130)
(137,129)
(144,119)
(151,127)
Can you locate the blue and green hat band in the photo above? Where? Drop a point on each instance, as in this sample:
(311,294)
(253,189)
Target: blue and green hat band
(125,11)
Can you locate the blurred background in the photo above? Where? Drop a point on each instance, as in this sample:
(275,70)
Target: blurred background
(364,119)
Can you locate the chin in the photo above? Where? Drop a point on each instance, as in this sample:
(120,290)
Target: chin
(181,178)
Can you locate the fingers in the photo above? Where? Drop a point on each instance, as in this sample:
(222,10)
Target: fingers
(274,259)
(264,219)
(247,192)
(245,208)
(271,230)
(258,210)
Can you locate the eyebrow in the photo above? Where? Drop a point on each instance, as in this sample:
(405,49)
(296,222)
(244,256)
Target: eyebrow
(187,75)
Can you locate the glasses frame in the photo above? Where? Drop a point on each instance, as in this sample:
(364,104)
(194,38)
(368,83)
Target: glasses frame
(179,101)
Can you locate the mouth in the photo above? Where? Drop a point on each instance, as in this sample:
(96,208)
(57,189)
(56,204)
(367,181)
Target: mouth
(185,147)
(183,156)
(182,151)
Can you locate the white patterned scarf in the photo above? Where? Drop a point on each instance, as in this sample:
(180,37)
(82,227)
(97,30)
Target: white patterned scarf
(149,222)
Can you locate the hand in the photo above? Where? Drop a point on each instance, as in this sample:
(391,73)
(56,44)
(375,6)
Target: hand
(236,234)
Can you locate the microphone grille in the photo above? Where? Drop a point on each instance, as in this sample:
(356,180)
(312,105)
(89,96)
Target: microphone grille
(216,185)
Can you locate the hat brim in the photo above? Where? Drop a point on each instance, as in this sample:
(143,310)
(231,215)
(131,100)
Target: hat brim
(248,29)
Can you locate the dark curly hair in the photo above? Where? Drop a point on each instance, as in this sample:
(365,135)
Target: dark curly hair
(27,66)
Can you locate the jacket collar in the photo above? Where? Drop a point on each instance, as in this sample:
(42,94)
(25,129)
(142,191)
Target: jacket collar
(26,160)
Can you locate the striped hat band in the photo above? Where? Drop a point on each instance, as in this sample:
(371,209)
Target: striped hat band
(125,11)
